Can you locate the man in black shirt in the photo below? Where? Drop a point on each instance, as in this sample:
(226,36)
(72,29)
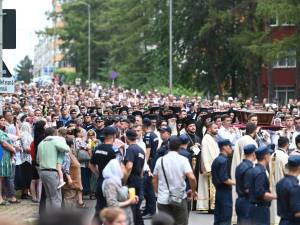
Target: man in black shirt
(87,123)
(134,163)
(165,134)
(99,127)
(151,141)
(101,156)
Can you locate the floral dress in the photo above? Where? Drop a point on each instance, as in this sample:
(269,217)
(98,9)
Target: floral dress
(5,162)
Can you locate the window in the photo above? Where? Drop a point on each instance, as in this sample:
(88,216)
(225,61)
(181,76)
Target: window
(275,22)
(288,61)
(283,94)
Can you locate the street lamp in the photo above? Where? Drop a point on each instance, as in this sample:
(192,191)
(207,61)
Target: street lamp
(89,35)
(171,46)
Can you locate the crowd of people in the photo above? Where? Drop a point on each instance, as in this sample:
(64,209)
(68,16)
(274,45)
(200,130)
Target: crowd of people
(139,153)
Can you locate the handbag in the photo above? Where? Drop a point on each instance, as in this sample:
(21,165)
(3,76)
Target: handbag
(1,152)
(83,156)
(175,194)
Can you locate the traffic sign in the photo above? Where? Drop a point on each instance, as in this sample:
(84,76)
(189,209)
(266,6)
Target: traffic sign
(7,85)
(5,72)
(9,29)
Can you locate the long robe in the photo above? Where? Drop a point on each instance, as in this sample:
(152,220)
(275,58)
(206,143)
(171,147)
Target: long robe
(277,171)
(206,190)
(237,158)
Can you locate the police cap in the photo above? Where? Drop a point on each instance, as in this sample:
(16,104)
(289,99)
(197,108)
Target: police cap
(166,129)
(109,131)
(147,122)
(294,160)
(248,149)
(224,142)
(184,139)
(131,134)
(261,151)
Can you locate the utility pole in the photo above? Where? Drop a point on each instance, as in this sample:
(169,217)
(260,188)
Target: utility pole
(89,42)
(171,46)
(1,39)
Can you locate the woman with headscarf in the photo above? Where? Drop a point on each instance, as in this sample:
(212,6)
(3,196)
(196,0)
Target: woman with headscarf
(24,170)
(115,194)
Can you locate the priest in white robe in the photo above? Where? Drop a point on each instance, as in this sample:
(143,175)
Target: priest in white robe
(238,156)
(210,150)
(277,172)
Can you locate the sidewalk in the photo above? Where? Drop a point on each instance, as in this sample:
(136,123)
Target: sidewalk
(27,211)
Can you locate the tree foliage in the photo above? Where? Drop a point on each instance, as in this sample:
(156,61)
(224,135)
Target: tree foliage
(24,69)
(219,46)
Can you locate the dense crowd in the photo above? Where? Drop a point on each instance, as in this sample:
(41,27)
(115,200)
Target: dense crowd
(143,152)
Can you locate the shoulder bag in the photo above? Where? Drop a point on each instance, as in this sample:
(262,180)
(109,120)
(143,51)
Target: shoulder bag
(175,194)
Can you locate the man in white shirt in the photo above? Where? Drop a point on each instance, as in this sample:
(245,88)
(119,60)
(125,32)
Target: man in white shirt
(167,168)
(227,131)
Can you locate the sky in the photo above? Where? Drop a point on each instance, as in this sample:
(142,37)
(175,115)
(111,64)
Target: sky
(30,18)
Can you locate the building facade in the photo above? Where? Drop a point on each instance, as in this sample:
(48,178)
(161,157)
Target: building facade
(279,82)
(48,56)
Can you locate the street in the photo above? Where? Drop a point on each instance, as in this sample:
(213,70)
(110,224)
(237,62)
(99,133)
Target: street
(27,212)
(196,218)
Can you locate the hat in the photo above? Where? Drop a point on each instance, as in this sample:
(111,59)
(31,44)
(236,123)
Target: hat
(137,113)
(190,121)
(147,122)
(230,99)
(184,139)
(261,151)
(294,160)
(109,131)
(99,119)
(166,129)
(248,149)
(87,114)
(224,142)
(131,134)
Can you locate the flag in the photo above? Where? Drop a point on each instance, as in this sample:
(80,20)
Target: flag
(114,75)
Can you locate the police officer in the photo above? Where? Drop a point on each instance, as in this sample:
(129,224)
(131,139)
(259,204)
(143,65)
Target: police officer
(288,192)
(242,204)
(134,163)
(151,141)
(260,195)
(101,156)
(223,184)
(165,134)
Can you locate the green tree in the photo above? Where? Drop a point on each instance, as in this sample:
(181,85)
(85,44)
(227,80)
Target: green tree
(24,69)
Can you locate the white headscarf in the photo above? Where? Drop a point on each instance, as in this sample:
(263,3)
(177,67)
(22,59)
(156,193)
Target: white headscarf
(26,132)
(113,171)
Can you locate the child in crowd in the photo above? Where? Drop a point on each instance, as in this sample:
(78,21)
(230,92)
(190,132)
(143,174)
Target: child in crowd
(62,133)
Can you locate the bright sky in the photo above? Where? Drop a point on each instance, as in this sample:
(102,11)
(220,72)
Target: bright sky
(30,18)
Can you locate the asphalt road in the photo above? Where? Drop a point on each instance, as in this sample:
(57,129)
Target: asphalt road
(196,218)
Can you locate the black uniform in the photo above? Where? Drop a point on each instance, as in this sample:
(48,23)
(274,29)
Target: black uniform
(99,134)
(88,127)
(151,141)
(101,156)
(259,185)
(163,150)
(242,204)
(136,155)
(288,200)
(223,202)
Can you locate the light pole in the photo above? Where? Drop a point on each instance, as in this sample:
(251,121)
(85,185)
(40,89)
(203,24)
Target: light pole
(171,46)
(89,35)
(1,38)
